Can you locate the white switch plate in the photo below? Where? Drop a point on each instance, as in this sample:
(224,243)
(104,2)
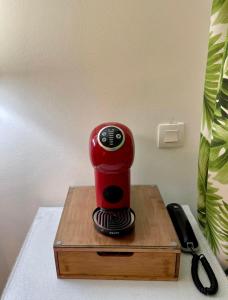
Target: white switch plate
(170,135)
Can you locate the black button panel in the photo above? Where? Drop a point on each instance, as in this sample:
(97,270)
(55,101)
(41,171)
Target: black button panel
(113,193)
(111,137)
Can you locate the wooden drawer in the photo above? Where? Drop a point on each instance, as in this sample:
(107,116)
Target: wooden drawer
(118,265)
(151,251)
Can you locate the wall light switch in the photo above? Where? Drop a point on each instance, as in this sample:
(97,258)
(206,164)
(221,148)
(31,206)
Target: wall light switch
(170,135)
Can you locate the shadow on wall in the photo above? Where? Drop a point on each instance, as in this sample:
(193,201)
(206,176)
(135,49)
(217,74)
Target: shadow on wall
(173,170)
(4,267)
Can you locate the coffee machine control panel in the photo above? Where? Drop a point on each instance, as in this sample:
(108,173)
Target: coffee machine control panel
(111,138)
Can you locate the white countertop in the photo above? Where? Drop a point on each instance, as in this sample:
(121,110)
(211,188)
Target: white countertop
(34,276)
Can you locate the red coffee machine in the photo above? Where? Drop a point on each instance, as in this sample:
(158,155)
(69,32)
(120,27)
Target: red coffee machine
(112,154)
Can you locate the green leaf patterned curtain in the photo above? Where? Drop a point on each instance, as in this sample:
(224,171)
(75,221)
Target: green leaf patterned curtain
(213,154)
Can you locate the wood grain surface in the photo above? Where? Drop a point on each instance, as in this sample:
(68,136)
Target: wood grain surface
(153,227)
(150,266)
(150,252)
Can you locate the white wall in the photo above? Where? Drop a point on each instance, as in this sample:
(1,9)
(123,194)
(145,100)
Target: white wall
(66,66)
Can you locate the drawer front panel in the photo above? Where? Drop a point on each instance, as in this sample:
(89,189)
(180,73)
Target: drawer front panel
(117,265)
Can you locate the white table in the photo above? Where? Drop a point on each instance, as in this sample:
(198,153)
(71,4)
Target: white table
(34,277)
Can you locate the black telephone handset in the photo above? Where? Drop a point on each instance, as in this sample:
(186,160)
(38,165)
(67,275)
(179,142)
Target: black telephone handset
(183,227)
(189,244)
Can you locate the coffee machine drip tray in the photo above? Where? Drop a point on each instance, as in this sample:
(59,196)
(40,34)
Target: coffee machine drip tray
(114,222)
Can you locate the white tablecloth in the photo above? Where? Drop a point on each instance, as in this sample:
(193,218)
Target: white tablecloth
(34,276)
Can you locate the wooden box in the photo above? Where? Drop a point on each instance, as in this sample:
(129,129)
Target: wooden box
(150,252)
